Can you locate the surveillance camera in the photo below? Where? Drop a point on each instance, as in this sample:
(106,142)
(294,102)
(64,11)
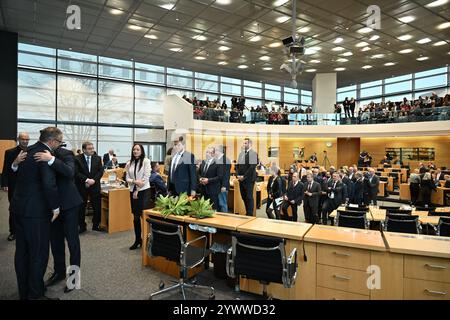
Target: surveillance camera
(286,68)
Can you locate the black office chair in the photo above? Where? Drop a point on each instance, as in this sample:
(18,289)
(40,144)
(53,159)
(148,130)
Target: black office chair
(166,240)
(261,258)
(429,209)
(399,211)
(389,207)
(352,219)
(443,228)
(403,223)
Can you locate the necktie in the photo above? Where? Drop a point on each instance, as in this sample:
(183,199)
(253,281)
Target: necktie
(207,166)
(89,163)
(309,187)
(174,165)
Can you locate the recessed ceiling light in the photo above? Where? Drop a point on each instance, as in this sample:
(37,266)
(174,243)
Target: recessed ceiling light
(405,37)
(423,41)
(341,60)
(407,19)
(115,11)
(223,2)
(264,58)
(200,58)
(278,3)
(309,51)
(366,67)
(151,36)
(242,66)
(439,43)
(338,49)
(267,68)
(275,44)
(443,26)
(347,54)
(134,27)
(176,49)
(361,44)
(168,6)
(199,37)
(255,39)
(406,51)
(311,70)
(365,49)
(282,19)
(338,40)
(304,29)
(224,48)
(315,61)
(377,56)
(388,64)
(375,37)
(436,3)
(222,63)
(365,30)
(316,48)
(339,69)
(422,58)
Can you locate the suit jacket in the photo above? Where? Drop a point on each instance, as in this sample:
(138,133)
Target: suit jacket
(106,159)
(441,176)
(82,173)
(157,180)
(295,193)
(246,165)
(36,193)
(225,165)
(312,200)
(349,184)
(336,188)
(275,189)
(358,190)
(9,177)
(214,175)
(184,176)
(447,184)
(64,167)
(373,186)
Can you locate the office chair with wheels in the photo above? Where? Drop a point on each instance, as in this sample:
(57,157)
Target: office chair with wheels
(389,208)
(352,219)
(166,240)
(443,228)
(261,258)
(403,223)
(399,211)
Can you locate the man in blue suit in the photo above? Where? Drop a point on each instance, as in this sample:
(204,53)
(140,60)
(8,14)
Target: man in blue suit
(182,174)
(63,163)
(225,165)
(35,204)
(157,180)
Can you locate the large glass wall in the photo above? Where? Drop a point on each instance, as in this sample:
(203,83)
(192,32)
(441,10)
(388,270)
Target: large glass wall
(410,86)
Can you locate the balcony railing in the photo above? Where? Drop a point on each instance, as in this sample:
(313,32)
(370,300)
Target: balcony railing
(282,118)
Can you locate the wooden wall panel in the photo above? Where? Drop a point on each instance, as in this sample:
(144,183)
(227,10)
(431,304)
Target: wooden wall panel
(347,151)
(4,145)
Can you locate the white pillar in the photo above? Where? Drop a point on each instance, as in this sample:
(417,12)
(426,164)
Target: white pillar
(324,92)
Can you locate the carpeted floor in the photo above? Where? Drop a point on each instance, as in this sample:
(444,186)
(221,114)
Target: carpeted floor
(109,270)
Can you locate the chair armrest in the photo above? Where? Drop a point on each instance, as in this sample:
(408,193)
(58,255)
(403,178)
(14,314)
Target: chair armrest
(433,227)
(230,264)
(149,245)
(195,256)
(290,269)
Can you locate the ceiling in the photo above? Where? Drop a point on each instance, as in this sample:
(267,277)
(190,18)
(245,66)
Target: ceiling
(233,23)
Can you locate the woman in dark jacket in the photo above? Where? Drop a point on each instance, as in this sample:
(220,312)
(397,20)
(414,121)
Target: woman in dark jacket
(274,191)
(358,189)
(426,185)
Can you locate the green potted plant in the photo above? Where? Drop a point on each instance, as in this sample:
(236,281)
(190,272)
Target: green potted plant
(201,208)
(178,206)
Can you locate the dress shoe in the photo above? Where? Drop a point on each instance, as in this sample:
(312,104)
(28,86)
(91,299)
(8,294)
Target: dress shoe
(67,290)
(54,278)
(136,244)
(82,230)
(11,237)
(97,228)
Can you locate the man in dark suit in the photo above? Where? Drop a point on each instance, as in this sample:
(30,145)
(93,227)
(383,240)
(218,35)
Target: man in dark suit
(246,174)
(311,199)
(63,163)
(313,157)
(17,155)
(293,197)
(88,172)
(334,197)
(373,182)
(182,174)
(157,180)
(211,176)
(36,204)
(358,189)
(108,157)
(224,164)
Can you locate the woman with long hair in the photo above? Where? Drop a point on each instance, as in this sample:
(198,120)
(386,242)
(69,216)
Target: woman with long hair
(138,170)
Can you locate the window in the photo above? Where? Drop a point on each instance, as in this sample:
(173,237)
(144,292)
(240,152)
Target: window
(151,77)
(179,72)
(75,135)
(400,78)
(430,82)
(206,85)
(150,135)
(272,87)
(148,67)
(206,76)
(370,92)
(36,49)
(272,95)
(252,92)
(180,93)
(179,81)
(77,62)
(119,139)
(430,72)
(148,105)
(306,100)
(349,88)
(398,87)
(231,80)
(36,95)
(115,68)
(349,94)
(33,130)
(115,102)
(252,84)
(77,99)
(37,61)
(398,98)
(291,98)
(371,84)
(231,89)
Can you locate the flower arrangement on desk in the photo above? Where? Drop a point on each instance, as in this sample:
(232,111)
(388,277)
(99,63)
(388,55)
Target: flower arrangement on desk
(184,205)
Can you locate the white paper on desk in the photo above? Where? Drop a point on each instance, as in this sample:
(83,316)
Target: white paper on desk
(352,205)
(278,201)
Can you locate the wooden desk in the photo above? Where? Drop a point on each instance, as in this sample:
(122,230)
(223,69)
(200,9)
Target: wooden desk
(117,171)
(381,189)
(437,197)
(443,209)
(424,218)
(116,210)
(423,265)
(293,232)
(235,202)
